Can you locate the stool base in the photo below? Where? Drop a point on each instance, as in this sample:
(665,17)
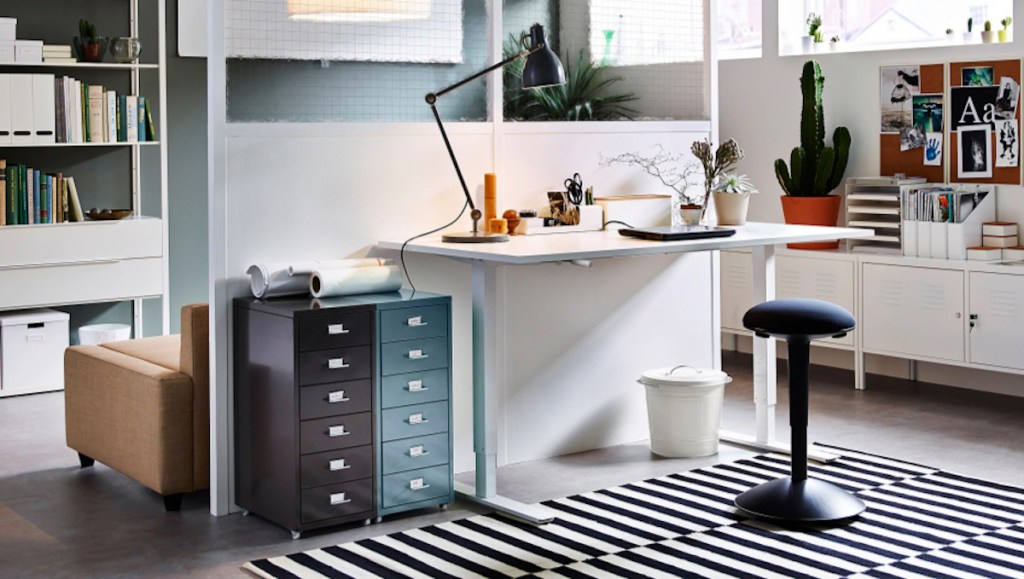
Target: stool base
(805,501)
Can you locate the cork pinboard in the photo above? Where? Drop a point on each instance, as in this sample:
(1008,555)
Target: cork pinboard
(911,163)
(1000,175)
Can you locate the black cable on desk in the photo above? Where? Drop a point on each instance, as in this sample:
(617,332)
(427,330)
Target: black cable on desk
(401,252)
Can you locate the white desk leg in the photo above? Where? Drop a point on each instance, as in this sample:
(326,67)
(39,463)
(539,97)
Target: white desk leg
(488,361)
(765,379)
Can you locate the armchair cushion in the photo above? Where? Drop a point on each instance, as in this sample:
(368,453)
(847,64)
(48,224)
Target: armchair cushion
(163,350)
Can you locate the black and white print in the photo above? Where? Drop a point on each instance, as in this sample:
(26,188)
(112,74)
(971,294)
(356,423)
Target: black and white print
(912,138)
(1006,102)
(975,151)
(898,85)
(1007,144)
(920,522)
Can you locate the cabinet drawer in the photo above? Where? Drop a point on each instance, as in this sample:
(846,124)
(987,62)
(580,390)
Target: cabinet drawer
(337,466)
(415,388)
(337,500)
(415,420)
(414,323)
(413,453)
(416,485)
(335,365)
(349,430)
(334,399)
(413,356)
(99,281)
(334,329)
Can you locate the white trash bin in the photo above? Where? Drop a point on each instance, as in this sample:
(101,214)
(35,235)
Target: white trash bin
(684,408)
(96,334)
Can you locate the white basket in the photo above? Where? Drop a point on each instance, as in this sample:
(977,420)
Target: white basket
(684,410)
(101,333)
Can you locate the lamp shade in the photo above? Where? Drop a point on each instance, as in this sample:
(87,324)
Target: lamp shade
(357,10)
(542,67)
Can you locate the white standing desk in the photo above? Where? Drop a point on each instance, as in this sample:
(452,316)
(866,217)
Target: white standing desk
(576,247)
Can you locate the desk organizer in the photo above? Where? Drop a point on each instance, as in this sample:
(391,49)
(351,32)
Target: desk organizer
(591,219)
(943,240)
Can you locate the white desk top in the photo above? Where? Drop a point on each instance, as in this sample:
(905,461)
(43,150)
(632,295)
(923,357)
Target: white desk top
(531,249)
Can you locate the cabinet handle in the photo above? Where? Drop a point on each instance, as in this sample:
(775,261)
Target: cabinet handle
(417,418)
(418,451)
(338,464)
(417,386)
(417,355)
(416,322)
(337,364)
(339,499)
(336,431)
(337,396)
(336,329)
(417,484)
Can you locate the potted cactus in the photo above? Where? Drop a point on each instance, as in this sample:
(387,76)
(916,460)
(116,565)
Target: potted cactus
(814,170)
(89,46)
(988,36)
(969,37)
(1006,34)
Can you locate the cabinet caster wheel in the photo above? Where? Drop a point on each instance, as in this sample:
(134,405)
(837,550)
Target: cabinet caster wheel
(378,520)
(296,535)
(444,507)
(245,512)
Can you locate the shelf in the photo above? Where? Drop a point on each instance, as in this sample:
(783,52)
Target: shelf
(893,198)
(873,209)
(875,224)
(85,65)
(62,145)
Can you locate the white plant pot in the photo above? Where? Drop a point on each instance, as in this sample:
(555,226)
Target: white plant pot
(970,38)
(988,36)
(731,208)
(951,38)
(833,46)
(807,43)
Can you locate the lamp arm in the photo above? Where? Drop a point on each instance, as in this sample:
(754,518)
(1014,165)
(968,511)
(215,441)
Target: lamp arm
(455,162)
(432,97)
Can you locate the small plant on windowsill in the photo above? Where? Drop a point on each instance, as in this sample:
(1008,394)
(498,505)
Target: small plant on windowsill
(833,43)
(732,198)
(969,35)
(1006,34)
(988,36)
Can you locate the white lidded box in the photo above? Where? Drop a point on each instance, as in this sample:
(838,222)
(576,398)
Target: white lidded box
(96,334)
(32,344)
(984,253)
(684,408)
(28,51)
(8,29)
(6,51)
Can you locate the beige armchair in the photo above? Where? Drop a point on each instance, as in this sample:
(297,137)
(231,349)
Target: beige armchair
(141,407)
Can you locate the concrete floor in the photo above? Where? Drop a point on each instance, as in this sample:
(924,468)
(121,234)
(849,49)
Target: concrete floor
(57,520)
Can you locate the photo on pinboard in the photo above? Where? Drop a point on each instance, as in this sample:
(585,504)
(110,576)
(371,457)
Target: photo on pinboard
(1007,144)
(972,105)
(1006,102)
(912,138)
(928,112)
(976,76)
(974,149)
(933,150)
(897,86)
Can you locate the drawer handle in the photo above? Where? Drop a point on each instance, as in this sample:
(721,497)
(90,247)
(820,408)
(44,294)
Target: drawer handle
(339,499)
(416,322)
(337,364)
(417,386)
(337,396)
(336,329)
(339,464)
(417,418)
(418,451)
(417,355)
(336,431)
(417,484)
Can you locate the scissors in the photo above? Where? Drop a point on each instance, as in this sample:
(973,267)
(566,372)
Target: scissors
(574,186)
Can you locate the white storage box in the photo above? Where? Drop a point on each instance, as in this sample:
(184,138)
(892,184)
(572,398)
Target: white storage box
(30,51)
(32,345)
(8,29)
(6,51)
(96,334)
(684,408)
(993,241)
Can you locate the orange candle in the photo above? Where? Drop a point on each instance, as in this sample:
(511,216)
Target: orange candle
(490,197)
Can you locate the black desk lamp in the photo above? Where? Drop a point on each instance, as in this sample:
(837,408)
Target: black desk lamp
(542,69)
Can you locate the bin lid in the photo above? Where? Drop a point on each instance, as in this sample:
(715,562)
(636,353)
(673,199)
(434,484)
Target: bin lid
(25,317)
(684,376)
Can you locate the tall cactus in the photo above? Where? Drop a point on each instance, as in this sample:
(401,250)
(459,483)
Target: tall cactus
(814,170)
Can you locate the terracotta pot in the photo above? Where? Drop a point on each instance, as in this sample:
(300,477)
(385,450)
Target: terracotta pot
(731,208)
(812,211)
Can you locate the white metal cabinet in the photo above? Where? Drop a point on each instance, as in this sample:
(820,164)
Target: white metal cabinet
(737,288)
(914,311)
(830,280)
(996,319)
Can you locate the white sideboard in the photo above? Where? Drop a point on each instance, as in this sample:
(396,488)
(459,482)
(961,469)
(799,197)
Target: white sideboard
(961,313)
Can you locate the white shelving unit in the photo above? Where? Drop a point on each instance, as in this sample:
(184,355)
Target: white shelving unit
(64,264)
(874,203)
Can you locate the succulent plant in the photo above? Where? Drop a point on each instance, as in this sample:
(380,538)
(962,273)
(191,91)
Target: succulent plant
(733,183)
(988,26)
(814,170)
(1006,22)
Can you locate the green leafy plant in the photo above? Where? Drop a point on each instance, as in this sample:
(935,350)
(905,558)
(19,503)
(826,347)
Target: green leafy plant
(86,29)
(814,26)
(733,183)
(814,170)
(585,96)
(988,26)
(1006,22)
(949,31)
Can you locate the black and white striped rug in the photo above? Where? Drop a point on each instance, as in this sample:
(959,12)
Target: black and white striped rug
(920,522)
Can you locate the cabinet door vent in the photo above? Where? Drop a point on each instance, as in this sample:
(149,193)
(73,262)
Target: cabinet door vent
(827,286)
(1002,303)
(933,297)
(890,292)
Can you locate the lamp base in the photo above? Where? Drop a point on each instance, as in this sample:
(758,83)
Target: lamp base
(474,237)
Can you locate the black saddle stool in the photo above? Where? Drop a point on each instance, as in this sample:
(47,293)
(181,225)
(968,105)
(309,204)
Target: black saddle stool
(797,498)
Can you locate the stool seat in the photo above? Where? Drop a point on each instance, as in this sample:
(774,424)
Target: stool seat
(798,318)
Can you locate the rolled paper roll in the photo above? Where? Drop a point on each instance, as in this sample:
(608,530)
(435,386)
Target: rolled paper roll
(269,280)
(352,281)
(497,225)
(490,197)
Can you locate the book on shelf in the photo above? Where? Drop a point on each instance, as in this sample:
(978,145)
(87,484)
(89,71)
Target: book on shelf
(3,192)
(74,203)
(32,196)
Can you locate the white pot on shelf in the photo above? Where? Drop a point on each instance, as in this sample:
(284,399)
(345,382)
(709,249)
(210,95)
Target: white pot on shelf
(833,46)
(970,38)
(731,208)
(988,36)
(807,44)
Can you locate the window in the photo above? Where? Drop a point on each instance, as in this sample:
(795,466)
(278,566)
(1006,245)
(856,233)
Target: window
(739,29)
(641,33)
(886,24)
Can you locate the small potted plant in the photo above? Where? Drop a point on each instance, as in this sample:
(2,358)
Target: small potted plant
(988,36)
(969,35)
(814,34)
(89,46)
(833,43)
(715,162)
(1006,34)
(732,198)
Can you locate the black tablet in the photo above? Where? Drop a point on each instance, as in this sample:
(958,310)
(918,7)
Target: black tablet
(678,232)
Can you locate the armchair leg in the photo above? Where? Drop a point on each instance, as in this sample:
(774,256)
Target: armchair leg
(85,461)
(173,502)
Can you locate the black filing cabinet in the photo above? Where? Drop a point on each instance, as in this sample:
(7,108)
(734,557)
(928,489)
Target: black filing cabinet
(324,389)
